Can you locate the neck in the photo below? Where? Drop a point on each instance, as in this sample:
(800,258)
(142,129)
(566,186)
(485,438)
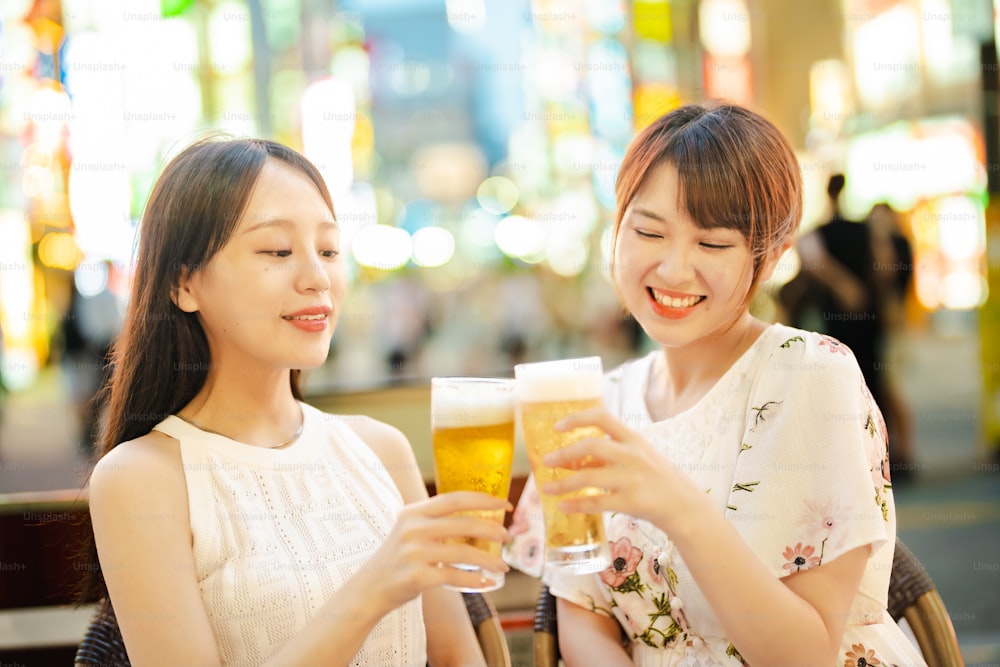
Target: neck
(259,411)
(683,375)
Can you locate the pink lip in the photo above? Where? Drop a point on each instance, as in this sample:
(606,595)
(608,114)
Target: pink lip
(311,325)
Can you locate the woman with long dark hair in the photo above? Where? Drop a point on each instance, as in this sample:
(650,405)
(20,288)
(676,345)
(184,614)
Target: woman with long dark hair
(234,523)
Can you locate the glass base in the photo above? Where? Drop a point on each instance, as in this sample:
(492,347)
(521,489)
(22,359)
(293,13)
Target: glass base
(494,580)
(583,559)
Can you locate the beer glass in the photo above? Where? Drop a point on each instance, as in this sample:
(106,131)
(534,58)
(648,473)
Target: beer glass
(472,424)
(547,392)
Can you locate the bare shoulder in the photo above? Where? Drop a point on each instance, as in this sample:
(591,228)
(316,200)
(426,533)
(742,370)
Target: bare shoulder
(136,467)
(387,441)
(394,450)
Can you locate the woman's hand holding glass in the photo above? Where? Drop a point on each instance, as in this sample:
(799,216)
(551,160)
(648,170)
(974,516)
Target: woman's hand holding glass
(636,478)
(472,423)
(429,537)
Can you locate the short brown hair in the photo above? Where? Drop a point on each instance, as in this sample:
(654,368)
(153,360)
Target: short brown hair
(735,170)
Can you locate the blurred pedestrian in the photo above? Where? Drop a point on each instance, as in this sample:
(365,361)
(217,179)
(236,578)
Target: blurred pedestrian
(858,272)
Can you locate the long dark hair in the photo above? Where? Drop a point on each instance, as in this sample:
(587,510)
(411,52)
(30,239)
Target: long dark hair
(191,214)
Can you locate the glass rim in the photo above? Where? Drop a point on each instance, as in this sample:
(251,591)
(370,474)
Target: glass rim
(571,365)
(500,382)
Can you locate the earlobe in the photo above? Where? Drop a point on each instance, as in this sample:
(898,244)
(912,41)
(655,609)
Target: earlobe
(181,294)
(772,259)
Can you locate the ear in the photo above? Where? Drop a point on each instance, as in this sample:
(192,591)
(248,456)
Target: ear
(182,294)
(771,260)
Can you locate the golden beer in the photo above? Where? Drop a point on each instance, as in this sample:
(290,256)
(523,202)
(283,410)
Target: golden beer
(548,392)
(472,424)
(475,458)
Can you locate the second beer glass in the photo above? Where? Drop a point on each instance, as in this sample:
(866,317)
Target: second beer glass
(547,392)
(472,421)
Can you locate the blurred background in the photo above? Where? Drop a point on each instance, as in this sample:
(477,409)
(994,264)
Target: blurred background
(471,148)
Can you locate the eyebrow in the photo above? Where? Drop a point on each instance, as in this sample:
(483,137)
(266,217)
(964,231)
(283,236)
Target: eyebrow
(646,213)
(284,222)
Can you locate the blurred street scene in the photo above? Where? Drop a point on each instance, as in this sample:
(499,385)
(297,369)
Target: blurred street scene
(471,148)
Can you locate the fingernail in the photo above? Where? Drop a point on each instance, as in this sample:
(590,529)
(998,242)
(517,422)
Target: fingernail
(560,425)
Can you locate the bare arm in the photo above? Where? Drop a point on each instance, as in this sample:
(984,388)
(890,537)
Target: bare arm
(798,620)
(138,505)
(588,638)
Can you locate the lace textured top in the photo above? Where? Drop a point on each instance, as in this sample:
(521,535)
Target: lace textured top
(278,531)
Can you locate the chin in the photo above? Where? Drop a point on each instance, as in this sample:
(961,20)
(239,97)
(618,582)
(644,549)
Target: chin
(310,363)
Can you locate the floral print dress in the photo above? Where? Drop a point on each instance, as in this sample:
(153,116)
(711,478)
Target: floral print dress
(791,447)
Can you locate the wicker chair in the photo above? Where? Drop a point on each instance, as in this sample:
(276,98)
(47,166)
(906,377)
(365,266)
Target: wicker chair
(912,596)
(102,644)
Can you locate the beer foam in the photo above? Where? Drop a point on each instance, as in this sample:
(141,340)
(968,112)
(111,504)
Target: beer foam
(560,380)
(463,406)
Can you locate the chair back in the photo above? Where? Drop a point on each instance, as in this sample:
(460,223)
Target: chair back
(912,595)
(103,646)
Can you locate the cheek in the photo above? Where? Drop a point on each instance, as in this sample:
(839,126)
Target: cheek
(338,279)
(739,278)
(626,262)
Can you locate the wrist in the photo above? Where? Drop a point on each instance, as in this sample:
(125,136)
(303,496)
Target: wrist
(372,600)
(688,515)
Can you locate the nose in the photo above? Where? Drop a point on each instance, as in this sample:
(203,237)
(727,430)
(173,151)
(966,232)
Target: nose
(676,267)
(312,275)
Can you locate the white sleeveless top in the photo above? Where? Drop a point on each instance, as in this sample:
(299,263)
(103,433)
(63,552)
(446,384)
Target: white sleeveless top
(278,531)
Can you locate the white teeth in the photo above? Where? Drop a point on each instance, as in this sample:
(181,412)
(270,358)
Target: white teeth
(308,317)
(672,302)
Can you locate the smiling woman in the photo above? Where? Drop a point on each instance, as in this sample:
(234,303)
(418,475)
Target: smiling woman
(744,463)
(233,523)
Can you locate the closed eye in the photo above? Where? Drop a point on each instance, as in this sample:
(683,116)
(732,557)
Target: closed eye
(715,246)
(647,235)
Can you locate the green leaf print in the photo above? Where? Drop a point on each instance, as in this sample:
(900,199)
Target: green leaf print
(745,486)
(632,584)
(795,339)
(733,653)
(760,414)
(672,580)
(657,637)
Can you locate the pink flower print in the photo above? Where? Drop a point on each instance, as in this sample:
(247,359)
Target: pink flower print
(823,521)
(529,505)
(624,559)
(833,344)
(677,613)
(519,521)
(527,555)
(655,569)
(800,558)
(859,656)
